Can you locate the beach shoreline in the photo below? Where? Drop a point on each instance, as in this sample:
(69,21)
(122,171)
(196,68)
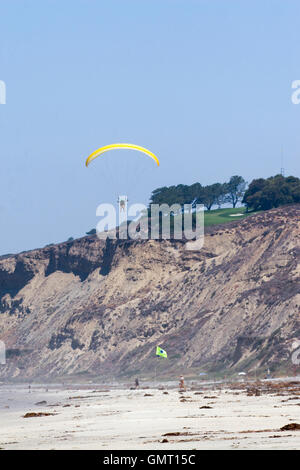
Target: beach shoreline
(241,415)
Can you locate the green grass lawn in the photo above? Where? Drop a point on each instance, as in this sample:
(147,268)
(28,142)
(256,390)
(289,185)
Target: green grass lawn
(221,216)
(217,216)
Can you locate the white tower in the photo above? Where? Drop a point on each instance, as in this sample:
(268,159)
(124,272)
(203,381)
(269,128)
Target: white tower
(122,204)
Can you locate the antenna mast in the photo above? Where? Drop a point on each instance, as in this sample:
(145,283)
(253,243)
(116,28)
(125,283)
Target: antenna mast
(282,169)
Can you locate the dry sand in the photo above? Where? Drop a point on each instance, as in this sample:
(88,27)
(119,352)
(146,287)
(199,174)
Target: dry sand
(231,417)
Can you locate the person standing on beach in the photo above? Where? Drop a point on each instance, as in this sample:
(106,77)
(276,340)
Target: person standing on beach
(181,383)
(137,383)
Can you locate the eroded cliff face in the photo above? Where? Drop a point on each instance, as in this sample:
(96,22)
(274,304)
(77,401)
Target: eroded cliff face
(96,308)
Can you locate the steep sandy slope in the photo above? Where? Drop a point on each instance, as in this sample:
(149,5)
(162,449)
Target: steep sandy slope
(90,307)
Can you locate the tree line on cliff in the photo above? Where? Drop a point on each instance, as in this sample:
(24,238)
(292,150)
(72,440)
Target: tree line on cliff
(261,194)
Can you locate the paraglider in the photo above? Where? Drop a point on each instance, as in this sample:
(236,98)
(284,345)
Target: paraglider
(106,148)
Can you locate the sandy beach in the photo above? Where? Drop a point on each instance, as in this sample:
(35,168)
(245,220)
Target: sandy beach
(235,416)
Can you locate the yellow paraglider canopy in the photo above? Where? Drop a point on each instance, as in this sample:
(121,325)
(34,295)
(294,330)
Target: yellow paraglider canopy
(106,148)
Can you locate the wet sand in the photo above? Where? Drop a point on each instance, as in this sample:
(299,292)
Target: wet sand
(236,416)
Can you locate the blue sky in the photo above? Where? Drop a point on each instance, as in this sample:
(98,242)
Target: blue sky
(204,84)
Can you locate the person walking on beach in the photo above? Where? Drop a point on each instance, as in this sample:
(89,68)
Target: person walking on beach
(137,383)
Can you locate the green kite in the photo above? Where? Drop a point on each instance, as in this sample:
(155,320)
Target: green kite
(161,352)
